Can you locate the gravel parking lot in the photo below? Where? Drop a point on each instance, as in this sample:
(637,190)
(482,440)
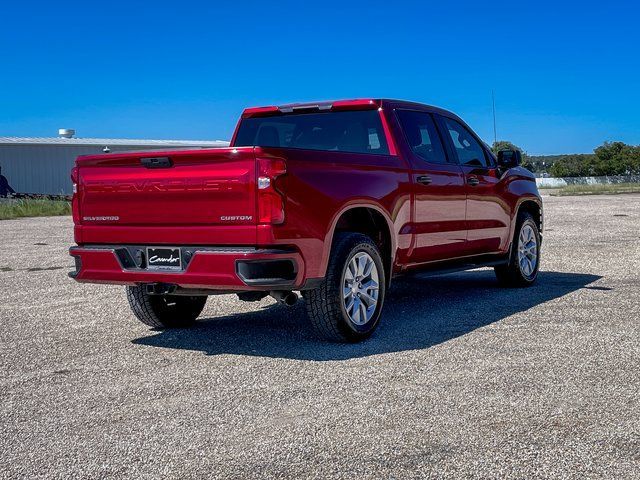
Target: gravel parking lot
(461,379)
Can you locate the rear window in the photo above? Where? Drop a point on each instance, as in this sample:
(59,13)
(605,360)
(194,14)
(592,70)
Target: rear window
(357,131)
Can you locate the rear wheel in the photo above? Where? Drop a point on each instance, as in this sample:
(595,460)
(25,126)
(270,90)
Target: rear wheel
(524,262)
(346,307)
(165,311)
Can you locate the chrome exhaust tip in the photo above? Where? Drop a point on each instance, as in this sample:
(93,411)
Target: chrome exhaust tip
(287,298)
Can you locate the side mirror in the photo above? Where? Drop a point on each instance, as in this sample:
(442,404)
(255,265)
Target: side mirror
(509,158)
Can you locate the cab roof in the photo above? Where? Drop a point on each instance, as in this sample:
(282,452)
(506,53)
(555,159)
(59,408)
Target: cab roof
(336,105)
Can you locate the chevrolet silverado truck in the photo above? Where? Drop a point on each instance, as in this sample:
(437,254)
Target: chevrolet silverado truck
(330,199)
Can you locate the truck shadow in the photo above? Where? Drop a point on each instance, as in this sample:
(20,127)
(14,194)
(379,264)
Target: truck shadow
(418,313)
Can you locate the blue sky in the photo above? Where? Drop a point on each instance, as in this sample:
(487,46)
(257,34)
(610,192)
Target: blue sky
(566,75)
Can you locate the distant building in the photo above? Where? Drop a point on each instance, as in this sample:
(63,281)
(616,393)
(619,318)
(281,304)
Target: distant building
(42,165)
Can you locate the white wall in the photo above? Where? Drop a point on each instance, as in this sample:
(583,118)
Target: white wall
(551,182)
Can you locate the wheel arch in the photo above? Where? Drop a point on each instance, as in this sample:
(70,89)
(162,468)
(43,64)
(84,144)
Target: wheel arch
(532,205)
(369,219)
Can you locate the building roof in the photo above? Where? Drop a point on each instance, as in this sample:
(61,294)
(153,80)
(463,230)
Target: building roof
(110,142)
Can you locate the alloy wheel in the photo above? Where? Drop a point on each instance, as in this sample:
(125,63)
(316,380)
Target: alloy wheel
(527,251)
(360,288)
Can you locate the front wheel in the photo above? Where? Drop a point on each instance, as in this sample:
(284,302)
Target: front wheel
(346,307)
(524,261)
(165,311)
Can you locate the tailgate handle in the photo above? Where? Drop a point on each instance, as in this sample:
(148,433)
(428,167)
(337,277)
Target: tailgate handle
(156,162)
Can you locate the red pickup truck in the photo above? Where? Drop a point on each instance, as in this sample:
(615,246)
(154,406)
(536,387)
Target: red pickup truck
(332,199)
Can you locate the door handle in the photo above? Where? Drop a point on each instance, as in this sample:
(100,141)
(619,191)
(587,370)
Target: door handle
(423,179)
(473,181)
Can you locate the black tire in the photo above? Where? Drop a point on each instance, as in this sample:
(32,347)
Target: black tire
(165,311)
(325,305)
(512,274)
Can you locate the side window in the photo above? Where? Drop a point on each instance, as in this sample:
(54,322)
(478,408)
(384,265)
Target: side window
(420,131)
(468,149)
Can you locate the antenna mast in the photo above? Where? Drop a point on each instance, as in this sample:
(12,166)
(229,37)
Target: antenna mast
(493,101)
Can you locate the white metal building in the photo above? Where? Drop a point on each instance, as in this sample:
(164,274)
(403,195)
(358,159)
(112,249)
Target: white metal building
(42,165)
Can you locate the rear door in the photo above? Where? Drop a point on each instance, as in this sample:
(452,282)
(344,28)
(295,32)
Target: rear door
(487,215)
(439,196)
(185,188)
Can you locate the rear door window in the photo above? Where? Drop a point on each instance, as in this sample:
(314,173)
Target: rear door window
(358,131)
(421,134)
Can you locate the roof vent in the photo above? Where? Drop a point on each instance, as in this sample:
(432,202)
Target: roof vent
(66,132)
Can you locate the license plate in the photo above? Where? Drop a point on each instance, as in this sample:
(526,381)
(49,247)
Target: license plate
(164,258)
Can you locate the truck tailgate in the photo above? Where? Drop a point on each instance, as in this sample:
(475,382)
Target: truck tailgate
(179,189)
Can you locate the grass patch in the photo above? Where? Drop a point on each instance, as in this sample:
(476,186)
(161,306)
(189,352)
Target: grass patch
(33,208)
(598,189)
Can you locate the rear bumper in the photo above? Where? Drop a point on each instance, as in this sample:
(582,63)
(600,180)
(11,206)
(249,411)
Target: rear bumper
(212,268)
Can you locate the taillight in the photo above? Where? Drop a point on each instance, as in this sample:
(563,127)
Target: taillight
(75,204)
(270,200)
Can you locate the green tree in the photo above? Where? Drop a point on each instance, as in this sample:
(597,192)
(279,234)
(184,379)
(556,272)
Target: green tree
(575,165)
(617,158)
(610,158)
(559,169)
